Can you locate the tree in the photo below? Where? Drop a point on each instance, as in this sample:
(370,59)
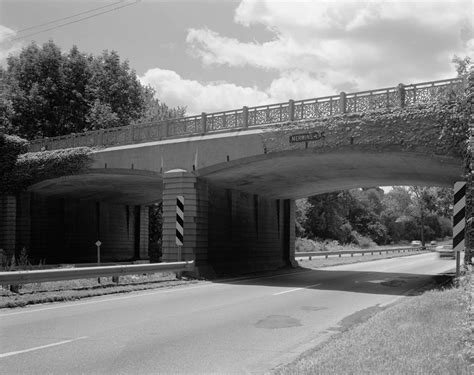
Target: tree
(400,214)
(155,111)
(50,93)
(462,65)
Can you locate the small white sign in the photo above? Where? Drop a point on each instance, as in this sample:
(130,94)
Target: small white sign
(98,243)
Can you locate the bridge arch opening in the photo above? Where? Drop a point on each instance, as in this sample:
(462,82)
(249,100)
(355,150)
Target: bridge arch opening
(62,218)
(302,173)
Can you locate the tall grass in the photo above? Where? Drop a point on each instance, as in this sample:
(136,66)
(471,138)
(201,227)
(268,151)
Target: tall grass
(420,335)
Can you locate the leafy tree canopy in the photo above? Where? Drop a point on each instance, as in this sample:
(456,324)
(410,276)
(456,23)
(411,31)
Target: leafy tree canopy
(398,215)
(51,93)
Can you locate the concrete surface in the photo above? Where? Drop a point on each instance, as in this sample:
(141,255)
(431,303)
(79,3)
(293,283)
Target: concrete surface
(241,326)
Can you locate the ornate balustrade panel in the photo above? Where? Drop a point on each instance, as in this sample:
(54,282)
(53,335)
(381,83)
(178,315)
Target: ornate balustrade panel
(148,132)
(185,126)
(268,114)
(315,108)
(393,97)
(225,120)
(422,93)
(116,136)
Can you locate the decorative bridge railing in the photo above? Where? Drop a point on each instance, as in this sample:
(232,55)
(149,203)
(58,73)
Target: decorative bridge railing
(392,97)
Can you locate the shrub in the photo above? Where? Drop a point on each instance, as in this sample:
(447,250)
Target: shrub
(363,241)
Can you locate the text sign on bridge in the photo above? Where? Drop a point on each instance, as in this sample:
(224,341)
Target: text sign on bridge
(307,137)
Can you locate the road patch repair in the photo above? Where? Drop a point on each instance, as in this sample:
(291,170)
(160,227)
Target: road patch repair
(278,321)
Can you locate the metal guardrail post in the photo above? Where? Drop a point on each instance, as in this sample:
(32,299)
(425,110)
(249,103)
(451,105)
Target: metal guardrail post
(342,102)
(204,122)
(291,110)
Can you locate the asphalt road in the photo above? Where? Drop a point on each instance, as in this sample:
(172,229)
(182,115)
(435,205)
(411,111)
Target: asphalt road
(239,326)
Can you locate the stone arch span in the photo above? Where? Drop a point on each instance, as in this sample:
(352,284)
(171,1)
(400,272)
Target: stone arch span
(62,218)
(294,174)
(125,186)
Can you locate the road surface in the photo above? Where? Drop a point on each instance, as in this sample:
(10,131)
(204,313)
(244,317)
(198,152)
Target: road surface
(241,326)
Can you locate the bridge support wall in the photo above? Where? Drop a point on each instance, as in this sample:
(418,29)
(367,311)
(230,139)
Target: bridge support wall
(60,230)
(8,224)
(227,231)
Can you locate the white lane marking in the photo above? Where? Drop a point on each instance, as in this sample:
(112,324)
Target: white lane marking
(295,290)
(168,290)
(9,354)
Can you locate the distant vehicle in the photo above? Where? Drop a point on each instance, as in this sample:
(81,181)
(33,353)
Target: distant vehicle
(445,251)
(415,243)
(433,243)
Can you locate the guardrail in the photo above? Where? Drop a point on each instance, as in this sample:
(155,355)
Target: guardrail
(38,276)
(392,97)
(326,254)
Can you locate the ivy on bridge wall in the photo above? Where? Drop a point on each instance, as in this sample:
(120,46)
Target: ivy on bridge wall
(469,160)
(438,128)
(18,169)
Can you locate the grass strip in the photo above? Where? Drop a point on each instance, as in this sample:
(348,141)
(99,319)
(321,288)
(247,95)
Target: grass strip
(60,291)
(426,334)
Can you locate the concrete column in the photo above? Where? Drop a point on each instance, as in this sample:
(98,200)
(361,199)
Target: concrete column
(195,193)
(144,232)
(289,220)
(8,224)
(23,215)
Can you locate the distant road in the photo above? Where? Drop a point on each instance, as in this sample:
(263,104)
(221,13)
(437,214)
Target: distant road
(240,326)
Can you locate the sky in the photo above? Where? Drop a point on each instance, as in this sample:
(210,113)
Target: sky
(213,56)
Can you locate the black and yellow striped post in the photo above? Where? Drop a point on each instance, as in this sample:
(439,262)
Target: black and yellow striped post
(459,221)
(179,224)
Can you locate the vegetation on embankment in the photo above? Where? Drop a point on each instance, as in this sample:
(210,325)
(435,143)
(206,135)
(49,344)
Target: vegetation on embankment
(71,290)
(426,334)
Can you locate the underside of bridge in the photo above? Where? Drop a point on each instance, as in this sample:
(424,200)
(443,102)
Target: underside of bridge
(239,215)
(299,174)
(60,220)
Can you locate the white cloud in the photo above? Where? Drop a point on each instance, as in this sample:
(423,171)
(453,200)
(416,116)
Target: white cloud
(7,47)
(198,97)
(348,43)
(323,47)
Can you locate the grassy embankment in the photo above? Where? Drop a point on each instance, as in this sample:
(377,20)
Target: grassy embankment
(70,290)
(427,334)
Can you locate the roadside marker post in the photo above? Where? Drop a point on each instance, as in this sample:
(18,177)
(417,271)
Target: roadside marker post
(98,243)
(179,226)
(459,221)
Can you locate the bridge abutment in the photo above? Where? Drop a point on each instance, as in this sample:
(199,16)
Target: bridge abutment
(64,230)
(226,231)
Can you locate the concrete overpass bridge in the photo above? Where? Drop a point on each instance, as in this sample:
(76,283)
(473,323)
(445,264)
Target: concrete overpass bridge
(239,172)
